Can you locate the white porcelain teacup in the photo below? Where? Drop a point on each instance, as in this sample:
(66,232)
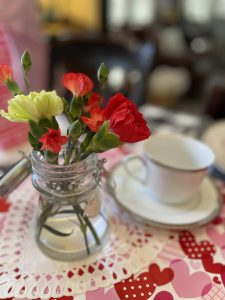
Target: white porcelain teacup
(174,167)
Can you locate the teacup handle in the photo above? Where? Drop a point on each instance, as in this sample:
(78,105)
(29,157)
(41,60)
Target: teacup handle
(143,160)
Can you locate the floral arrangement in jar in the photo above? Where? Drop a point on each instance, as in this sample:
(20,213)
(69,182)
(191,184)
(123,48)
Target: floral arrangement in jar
(66,168)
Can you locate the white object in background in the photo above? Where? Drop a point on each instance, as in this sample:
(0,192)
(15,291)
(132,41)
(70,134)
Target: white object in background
(199,11)
(141,13)
(219,9)
(172,81)
(214,137)
(171,42)
(174,165)
(117,13)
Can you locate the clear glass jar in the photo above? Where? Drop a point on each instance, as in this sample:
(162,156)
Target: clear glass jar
(70,225)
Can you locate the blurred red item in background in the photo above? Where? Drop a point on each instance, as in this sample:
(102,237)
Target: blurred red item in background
(11,134)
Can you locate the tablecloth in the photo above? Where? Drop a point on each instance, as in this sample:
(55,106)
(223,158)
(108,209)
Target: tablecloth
(190,266)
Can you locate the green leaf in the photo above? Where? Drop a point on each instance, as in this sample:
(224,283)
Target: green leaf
(44,124)
(104,140)
(102,74)
(13,87)
(110,141)
(34,143)
(67,109)
(75,130)
(56,232)
(31,138)
(76,107)
(35,130)
(102,131)
(66,211)
(26,61)
(86,141)
(66,105)
(55,124)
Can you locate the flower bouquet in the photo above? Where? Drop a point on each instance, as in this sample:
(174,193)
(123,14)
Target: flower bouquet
(66,168)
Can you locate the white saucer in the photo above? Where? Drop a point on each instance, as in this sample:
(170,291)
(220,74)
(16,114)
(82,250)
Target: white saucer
(136,198)
(214,137)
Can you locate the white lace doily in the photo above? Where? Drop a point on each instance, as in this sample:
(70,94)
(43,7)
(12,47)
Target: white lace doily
(26,272)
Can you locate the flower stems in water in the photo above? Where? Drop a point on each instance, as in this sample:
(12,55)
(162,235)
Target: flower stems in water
(89,225)
(84,223)
(83,228)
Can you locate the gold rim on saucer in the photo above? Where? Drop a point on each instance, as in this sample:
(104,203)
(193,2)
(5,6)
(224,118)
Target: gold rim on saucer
(112,189)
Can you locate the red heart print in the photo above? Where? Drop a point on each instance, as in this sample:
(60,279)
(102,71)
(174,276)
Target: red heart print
(4,205)
(141,287)
(222,276)
(211,267)
(217,221)
(216,280)
(61,298)
(160,277)
(193,249)
(164,295)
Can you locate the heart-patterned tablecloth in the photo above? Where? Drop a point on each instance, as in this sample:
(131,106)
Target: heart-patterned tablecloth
(191,265)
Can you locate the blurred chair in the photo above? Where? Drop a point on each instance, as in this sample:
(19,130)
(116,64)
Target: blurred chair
(128,67)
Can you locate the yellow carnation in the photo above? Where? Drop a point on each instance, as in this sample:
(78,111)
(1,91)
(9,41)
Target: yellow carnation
(35,106)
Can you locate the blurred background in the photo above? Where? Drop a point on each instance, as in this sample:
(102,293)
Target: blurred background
(166,53)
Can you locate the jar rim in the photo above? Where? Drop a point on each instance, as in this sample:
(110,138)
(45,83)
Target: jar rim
(36,157)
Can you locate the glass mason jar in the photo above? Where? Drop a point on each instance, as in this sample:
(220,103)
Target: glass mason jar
(70,224)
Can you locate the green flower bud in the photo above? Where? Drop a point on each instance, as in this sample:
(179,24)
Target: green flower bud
(26,61)
(102,74)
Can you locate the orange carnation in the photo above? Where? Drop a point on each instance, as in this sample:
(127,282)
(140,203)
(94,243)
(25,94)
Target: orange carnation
(77,83)
(5,73)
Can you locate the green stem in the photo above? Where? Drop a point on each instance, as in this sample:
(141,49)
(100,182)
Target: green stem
(51,158)
(43,218)
(83,228)
(86,154)
(89,224)
(47,213)
(69,154)
(26,81)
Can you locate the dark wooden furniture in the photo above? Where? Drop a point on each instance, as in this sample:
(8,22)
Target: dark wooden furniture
(85,55)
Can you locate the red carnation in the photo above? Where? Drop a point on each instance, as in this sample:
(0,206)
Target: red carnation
(77,83)
(96,119)
(93,101)
(53,141)
(5,73)
(125,120)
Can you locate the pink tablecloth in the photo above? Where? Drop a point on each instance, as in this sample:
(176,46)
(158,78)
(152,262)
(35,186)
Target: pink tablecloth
(190,266)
